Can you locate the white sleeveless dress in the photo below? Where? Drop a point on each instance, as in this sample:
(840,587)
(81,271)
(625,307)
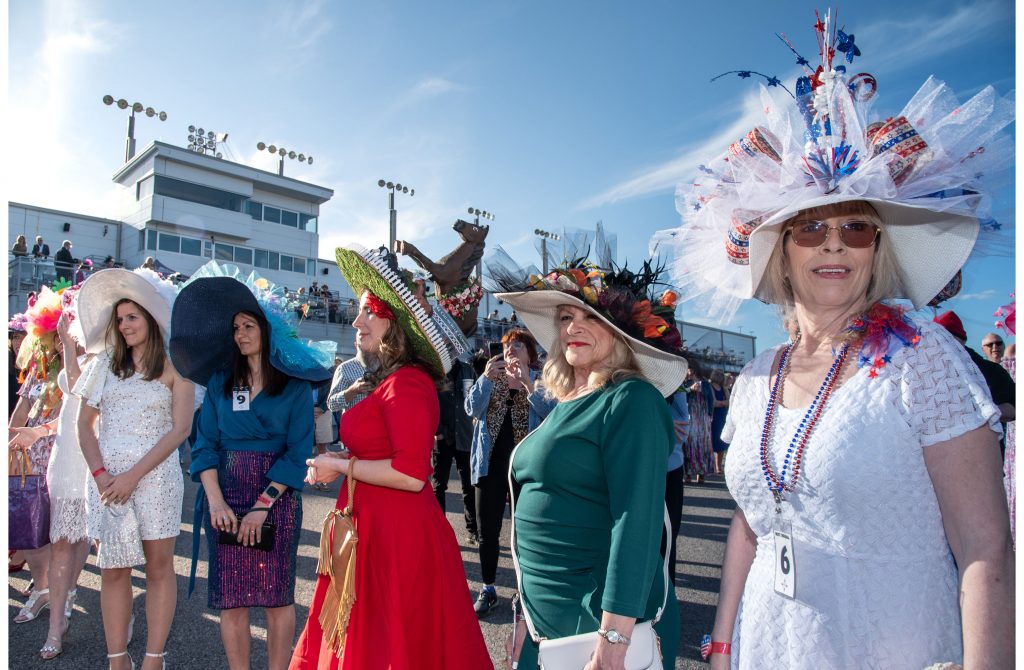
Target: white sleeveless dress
(876,584)
(134,415)
(67,474)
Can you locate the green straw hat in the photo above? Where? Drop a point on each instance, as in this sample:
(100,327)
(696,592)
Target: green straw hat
(370,270)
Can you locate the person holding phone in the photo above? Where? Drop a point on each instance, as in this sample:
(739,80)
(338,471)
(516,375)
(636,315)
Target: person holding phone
(507,404)
(254,434)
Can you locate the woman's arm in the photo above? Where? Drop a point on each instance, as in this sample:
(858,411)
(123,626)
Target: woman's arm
(329,466)
(739,554)
(967,477)
(183,394)
(23,438)
(85,428)
(20,415)
(479,397)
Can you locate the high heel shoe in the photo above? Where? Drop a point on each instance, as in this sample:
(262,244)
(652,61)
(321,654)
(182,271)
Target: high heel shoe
(161,655)
(48,652)
(33,606)
(123,653)
(69,604)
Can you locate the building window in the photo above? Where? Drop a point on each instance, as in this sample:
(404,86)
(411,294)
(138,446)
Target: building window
(275,260)
(286,263)
(207,249)
(243,255)
(151,239)
(272,214)
(261,258)
(170,243)
(307,222)
(255,210)
(144,188)
(223,252)
(191,247)
(289,218)
(203,195)
(311,267)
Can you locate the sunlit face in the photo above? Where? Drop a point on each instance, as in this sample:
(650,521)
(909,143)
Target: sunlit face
(16,339)
(585,338)
(831,274)
(370,328)
(247,334)
(132,325)
(517,351)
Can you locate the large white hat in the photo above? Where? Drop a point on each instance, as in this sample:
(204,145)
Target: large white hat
(926,171)
(104,288)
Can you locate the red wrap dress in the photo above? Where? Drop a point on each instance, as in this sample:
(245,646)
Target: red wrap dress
(413,609)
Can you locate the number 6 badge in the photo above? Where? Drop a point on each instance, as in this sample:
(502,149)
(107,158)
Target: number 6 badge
(785,563)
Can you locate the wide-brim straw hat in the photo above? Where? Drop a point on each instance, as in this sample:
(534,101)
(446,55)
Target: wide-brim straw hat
(202,332)
(929,246)
(538,310)
(101,290)
(369,270)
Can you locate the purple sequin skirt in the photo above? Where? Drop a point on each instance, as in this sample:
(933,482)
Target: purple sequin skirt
(245,576)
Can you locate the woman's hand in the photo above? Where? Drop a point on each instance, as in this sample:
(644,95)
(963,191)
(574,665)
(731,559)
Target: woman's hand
(23,438)
(120,488)
(358,387)
(325,468)
(514,644)
(517,377)
(719,661)
(222,517)
(63,329)
(495,368)
(607,656)
(250,530)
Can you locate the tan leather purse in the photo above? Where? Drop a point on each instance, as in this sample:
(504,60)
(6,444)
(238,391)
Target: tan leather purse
(338,560)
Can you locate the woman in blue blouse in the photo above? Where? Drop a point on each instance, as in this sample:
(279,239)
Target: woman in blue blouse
(254,435)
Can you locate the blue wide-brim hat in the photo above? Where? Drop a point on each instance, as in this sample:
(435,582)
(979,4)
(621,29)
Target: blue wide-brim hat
(202,332)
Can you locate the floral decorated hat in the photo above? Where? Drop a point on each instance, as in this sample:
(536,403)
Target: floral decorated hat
(926,171)
(620,298)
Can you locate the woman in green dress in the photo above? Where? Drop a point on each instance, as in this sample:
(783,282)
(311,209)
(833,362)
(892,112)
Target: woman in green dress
(589,483)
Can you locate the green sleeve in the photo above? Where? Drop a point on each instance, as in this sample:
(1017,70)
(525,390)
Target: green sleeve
(636,443)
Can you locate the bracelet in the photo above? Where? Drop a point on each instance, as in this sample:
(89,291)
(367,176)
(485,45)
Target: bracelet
(707,647)
(97,472)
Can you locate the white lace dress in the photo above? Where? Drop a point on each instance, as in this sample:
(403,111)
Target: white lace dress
(134,415)
(67,474)
(876,585)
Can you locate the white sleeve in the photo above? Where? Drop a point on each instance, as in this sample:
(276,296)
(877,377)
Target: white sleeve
(944,393)
(92,380)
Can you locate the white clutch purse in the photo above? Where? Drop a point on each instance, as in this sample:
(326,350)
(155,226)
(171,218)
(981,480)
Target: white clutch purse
(573,652)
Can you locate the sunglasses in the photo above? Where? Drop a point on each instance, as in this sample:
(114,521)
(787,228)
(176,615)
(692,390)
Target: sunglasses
(854,234)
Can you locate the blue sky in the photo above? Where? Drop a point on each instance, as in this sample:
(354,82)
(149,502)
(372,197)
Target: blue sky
(548,114)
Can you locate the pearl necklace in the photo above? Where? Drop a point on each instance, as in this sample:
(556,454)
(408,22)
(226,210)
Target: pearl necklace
(778,484)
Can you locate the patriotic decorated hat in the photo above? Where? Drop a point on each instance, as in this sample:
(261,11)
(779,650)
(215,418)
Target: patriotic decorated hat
(925,170)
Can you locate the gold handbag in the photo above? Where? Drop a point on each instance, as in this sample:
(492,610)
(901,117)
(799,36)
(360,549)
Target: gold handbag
(338,560)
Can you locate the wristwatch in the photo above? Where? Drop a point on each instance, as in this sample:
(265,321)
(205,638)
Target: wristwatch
(613,636)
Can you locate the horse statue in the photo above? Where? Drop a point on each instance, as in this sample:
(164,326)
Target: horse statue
(453,269)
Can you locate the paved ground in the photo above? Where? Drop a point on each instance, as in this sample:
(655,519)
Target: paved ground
(195,637)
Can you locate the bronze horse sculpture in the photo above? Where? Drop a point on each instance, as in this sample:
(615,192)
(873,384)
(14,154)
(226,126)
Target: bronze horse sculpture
(453,269)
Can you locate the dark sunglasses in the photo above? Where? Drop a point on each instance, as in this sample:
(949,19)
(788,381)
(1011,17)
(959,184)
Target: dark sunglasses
(854,234)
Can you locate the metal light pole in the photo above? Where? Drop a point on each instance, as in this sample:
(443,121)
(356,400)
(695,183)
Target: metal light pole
(477,213)
(393,188)
(282,152)
(129,144)
(544,237)
(205,142)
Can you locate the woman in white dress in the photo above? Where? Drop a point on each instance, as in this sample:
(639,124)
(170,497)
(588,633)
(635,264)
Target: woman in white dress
(143,409)
(871,530)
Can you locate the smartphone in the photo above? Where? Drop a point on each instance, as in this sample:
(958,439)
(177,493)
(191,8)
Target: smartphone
(495,349)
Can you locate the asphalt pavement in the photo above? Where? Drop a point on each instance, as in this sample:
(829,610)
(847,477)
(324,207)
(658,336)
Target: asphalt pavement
(195,636)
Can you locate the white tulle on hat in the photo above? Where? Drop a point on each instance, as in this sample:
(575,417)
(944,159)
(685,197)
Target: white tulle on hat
(927,170)
(104,288)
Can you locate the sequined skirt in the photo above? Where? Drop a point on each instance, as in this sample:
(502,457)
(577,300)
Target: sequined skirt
(244,576)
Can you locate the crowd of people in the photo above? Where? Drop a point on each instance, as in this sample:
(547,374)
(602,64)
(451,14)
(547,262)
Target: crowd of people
(872,453)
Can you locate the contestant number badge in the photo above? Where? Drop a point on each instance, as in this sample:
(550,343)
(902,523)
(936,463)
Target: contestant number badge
(240,400)
(785,561)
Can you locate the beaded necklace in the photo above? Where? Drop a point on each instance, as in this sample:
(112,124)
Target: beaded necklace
(778,484)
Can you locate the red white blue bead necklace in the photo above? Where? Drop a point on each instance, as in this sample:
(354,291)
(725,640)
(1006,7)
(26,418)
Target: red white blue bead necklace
(778,484)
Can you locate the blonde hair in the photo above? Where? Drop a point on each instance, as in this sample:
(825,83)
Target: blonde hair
(775,286)
(560,377)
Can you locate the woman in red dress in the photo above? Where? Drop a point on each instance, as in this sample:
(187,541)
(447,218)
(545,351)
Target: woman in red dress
(413,609)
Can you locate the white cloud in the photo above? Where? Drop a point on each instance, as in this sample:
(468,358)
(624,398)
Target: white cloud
(304,23)
(987,294)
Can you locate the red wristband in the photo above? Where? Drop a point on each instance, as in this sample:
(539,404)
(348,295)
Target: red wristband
(97,472)
(721,648)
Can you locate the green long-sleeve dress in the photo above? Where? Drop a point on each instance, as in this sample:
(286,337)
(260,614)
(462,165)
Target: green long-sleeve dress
(589,487)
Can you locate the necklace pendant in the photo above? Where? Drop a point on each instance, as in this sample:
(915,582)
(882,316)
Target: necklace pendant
(778,501)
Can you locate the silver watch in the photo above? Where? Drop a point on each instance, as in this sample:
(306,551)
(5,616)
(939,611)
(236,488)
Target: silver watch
(613,636)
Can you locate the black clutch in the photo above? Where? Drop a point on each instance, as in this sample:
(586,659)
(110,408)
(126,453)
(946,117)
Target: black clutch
(266,542)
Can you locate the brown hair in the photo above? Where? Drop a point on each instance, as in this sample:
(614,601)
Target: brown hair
(775,286)
(153,356)
(274,380)
(560,377)
(395,351)
(524,336)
